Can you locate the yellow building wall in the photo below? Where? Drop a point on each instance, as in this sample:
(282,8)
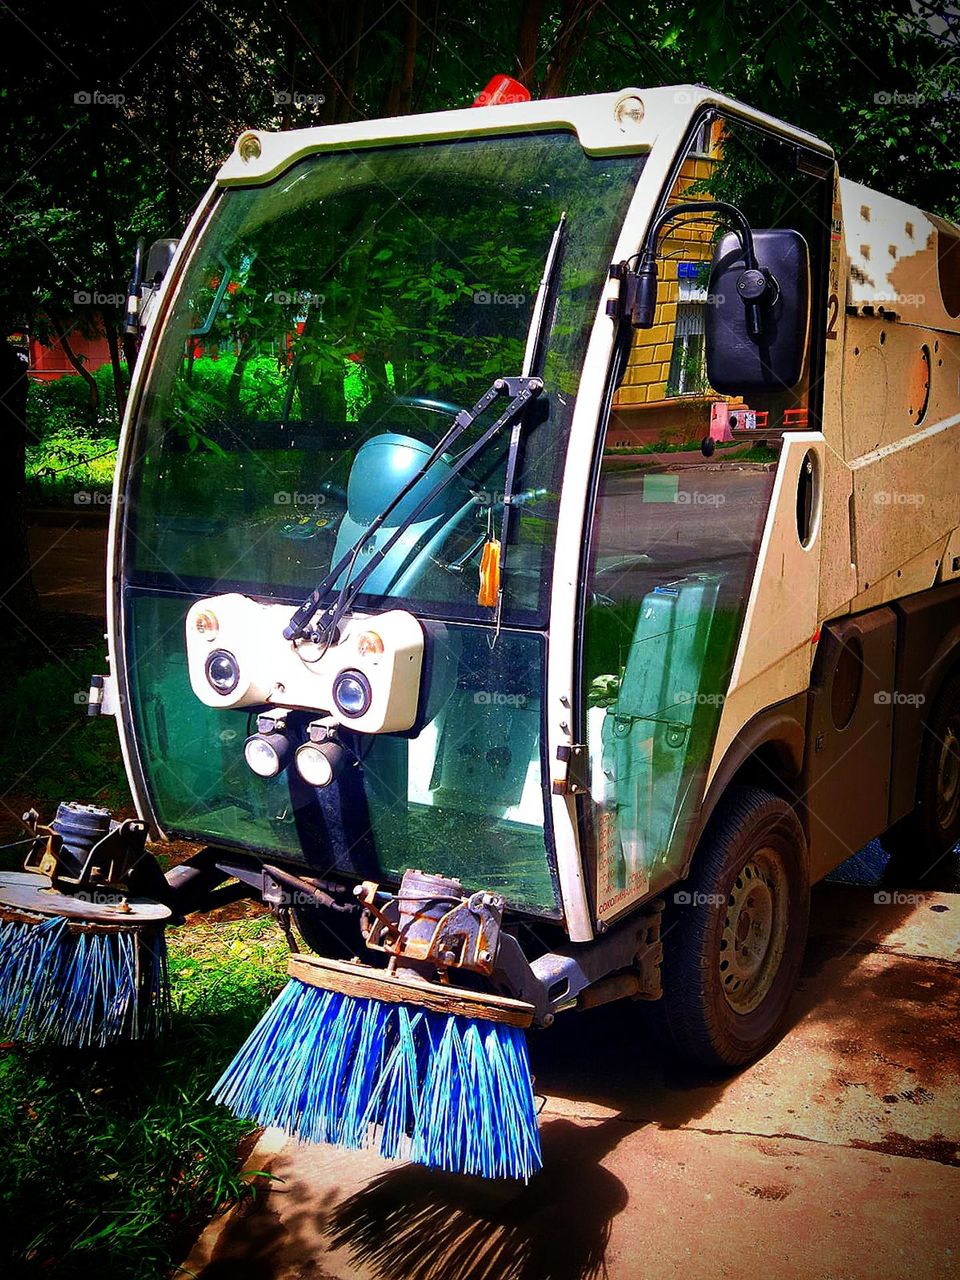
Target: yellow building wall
(648,369)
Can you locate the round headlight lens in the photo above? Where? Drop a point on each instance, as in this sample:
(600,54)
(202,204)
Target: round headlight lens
(266,754)
(352,693)
(223,671)
(319,763)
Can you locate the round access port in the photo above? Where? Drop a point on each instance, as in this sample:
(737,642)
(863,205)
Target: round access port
(808,498)
(919,391)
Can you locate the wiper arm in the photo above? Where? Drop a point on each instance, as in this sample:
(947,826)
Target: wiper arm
(521,390)
(533,358)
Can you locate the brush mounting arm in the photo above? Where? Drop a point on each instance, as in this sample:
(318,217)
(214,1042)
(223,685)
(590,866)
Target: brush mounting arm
(431,926)
(84,851)
(430,929)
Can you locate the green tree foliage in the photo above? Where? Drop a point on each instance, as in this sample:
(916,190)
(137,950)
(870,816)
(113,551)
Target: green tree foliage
(117,116)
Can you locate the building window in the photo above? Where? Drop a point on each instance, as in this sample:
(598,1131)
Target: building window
(688,376)
(702,142)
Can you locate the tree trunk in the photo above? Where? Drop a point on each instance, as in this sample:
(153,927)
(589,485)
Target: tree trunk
(405,96)
(19,605)
(171,132)
(109,217)
(119,390)
(347,110)
(399,91)
(528,38)
(60,331)
(235,381)
(577,15)
(433,30)
(331,41)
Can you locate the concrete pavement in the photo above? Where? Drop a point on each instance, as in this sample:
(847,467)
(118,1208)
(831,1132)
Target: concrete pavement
(837,1157)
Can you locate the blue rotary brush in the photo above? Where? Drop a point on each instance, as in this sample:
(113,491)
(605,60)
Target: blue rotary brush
(82,961)
(364,1057)
(78,982)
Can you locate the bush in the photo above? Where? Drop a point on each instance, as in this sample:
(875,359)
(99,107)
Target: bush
(63,405)
(206,396)
(69,462)
(113,1160)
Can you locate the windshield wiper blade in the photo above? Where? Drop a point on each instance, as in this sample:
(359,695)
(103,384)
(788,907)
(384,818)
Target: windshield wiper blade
(533,358)
(533,353)
(522,391)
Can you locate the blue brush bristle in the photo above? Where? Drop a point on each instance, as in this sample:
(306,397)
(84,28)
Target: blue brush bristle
(441,1090)
(79,987)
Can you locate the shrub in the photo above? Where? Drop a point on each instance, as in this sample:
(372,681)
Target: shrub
(68,462)
(63,405)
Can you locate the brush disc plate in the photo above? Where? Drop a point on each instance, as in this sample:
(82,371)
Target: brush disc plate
(25,891)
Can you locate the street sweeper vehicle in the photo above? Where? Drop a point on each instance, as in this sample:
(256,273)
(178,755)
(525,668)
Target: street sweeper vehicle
(534,562)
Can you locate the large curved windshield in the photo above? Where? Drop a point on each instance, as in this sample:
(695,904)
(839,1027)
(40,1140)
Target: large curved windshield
(327,331)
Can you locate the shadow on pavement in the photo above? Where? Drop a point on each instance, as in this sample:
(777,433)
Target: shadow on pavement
(413,1224)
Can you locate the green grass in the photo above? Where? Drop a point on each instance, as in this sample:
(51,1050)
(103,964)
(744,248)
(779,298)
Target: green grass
(664,445)
(51,749)
(654,446)
(112,1161)
(70,468)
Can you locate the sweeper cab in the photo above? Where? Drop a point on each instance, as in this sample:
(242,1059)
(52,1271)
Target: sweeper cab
(535,561)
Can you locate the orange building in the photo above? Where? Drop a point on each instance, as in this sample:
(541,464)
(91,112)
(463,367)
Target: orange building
(49,361)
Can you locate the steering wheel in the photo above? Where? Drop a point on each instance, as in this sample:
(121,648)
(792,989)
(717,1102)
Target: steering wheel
(427,419)
(445,407)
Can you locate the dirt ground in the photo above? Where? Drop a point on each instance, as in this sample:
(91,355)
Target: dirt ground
(69,551)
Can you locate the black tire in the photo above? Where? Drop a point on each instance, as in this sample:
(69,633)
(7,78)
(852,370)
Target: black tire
(747,899)
(933,827)
(335,934)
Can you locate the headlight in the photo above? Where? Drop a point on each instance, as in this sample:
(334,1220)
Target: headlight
(352,694)
(319,763)
(222,671)
(267,754)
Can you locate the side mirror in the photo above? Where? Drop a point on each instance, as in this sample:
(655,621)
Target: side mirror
(158,261)
(737,361)
(143,285)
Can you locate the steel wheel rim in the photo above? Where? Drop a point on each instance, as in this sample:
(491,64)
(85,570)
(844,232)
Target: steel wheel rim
(948,775)
(754,933)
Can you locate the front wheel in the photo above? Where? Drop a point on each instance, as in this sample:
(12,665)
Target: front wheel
(735,932)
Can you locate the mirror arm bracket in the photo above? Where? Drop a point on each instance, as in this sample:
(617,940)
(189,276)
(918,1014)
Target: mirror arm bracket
(638,287)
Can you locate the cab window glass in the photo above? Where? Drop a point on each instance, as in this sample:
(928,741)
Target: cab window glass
(676,534)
